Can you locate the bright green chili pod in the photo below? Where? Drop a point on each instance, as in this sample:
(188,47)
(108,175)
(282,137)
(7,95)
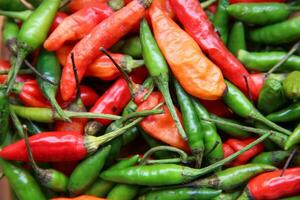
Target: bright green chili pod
(237,39)
(264,61)
(22,183)
(212,140)
(4,115)
(271,96)
(32,34)
(290,113)
(191,123)
(221,20)
(132,46)
(48,66)
(259,13)
(181,194)
(291,85)
(233,177)
(123,191)
(87,171)
(274,158)
(228,196)
(293,139)
(280,33)
(21,15)
(241,106)
(158,70)
(10,32)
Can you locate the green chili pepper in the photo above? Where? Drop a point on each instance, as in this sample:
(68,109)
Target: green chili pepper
(287,114)
(21,15)
(241,106)
(264,61)
(168,174)
(275,158)
(16,5)
(230,130)
(291,85)
(221,20)
(158,70)
(293,139)
(237,39)
(212,140)
(291,198)
(87,171)
(181,194)
(10,32)
(32,34)
(280,33)
(22,183)
(132,46)
(191,123)
(228,196)
(48,66)
(260,13)
(123,191)
(233,177)
(4,115)
(271,96)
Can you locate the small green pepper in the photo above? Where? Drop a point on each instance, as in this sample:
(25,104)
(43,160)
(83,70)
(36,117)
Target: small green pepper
(228,196)
(10,32)
(290,113)
(275,158)
(293,139)
(237,39)
(221,20)
(291,85)
(123,191)
(132,46)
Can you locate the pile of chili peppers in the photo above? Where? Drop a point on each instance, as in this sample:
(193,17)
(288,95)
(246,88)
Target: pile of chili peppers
(150,99)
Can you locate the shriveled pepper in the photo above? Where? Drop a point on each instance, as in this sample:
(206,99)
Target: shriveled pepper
(197,74)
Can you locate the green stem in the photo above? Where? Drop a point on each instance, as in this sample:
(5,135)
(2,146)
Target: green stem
(22,15)
(207,3)
(28,64)
(148,154)
(22,71)
(17,123)
(170,160)
(58,109)
(144,113)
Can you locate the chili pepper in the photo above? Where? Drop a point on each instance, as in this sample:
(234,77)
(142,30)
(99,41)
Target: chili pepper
(21,15)
(287,114)
(271,97)
(233,177)
(63,52)
(76,5)
(132,46)
(104,69)
(59,18)
(22,183)
(165,6)
(272,185)
(293,139)
(82,197)
(32,34)
(260,13)
(88,48)
(87,171)
(166,174)
(4,115)
(291,85)
(236,40)
(216,107)
(78,25)
(228,196)
(123,191)
(221,20)
(49,67)
(12,5)
(197,24)
(10,32)
(275,158)
(269,34)
(158,69)
(254,1)
(88,95)
(241,106)
(291,198)
(181,194)
(65,145)
(196,138)
(264,61)
(258,79)
(230,130)
(197,74)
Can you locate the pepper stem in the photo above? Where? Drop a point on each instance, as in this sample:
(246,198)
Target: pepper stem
(207,3)
(22,71)
(148,154)
(170,160)
(128,63)
(21,15)
(58,109)
(17,123)
(28,64)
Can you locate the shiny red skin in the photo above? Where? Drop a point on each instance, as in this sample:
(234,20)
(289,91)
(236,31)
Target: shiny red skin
(255,1)
(198,25)
(217,107)
(88,96)
(258,79)
(76,5)
(271,185)
(60,16)
(48,147)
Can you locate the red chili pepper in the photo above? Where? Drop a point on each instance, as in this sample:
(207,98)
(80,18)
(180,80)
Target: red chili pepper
(88,96)
(63,52)
(198,25)
(60,16)
(76,5)
(255,1)
(108,32)
(258,79)
(217,107)
(213,8)
(272,185)
(78,25)
(236,145)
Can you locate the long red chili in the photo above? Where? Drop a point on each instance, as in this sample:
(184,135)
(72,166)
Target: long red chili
(198,25)
(76,5)
(108,32)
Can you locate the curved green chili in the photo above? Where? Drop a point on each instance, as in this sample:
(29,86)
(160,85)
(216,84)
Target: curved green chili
(237,39)
(123,191)
(132,46)
(290,113)
(221,20)
(293,139)
(275,158)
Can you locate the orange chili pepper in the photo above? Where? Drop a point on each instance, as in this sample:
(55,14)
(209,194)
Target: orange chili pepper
(83,197)
(161,126)
(195,72)
(63,52)
(76,5)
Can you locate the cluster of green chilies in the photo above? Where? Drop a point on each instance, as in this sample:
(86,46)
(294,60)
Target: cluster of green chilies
(150,99)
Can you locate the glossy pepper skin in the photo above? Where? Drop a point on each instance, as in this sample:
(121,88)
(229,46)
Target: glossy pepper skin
(274,158)
(236,40)
(270,34)
(88,95)
(197,74)
(264,61)
(22,183)
(77,25)
(287,114)
(259,13)
(293,139)
(88,48)
(197,24)
(76,5)
(123,191)
(271,185)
